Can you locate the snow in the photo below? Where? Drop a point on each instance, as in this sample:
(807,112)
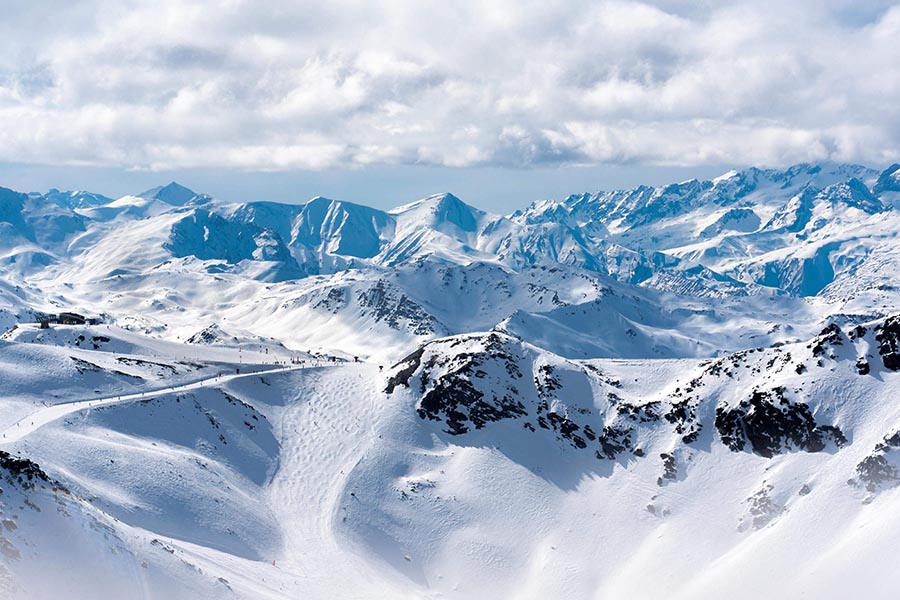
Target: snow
(689,388)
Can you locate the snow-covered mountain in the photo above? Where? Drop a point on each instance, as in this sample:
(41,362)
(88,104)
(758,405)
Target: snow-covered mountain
(687,388)
(826,233)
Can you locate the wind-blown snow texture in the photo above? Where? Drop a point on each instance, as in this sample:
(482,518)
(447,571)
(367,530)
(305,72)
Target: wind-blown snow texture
(686,392)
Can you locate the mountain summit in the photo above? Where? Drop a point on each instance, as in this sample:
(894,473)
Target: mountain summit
(173,193)
(440,210)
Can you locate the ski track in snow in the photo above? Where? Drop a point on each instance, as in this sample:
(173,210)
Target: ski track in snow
(324,436)
(26,425)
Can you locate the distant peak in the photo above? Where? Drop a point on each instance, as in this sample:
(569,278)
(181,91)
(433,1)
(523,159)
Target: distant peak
(75,199)
(726,176)
(445,197)
(450,209)
(891,172)
(173,193)
(436,201)
(322,203)
(443,208)
(321,200)
(888,180)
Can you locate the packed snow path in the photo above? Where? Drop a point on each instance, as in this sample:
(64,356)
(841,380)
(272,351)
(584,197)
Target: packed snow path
(24,426)
(324,439)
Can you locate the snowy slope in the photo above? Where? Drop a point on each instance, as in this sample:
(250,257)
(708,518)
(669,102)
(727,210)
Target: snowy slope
(547,477)
(482,465)
(683,391)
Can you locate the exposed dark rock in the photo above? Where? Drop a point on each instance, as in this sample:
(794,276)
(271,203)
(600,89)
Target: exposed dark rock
(545,382)
(771,424)
(682,411)
(874,472)
(455,400)
(83,366)
(762,509)
(683,415)
(402,377)
(397,310)
(164,369)
(888,337)
(857,332)
(334,302)
(644,413)
(566,428)
(730,425)
(824,343)
(210,335)
(613,441)
(467,386)
(877,472)
(23,472)
(670,469)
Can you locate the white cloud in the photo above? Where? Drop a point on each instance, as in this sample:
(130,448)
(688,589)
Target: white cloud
(267,85)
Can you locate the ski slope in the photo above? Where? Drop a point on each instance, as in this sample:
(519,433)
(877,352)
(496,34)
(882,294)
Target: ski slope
(679,391)
(48,414)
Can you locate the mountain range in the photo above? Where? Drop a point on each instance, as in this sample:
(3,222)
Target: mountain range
(687,388)
(820,238)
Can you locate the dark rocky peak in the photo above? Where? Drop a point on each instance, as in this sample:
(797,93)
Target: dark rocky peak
(889,180)
(853,193)
(887,335)
(173,193)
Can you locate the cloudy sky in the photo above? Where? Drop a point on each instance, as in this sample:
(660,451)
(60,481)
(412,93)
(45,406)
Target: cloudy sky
(501,102)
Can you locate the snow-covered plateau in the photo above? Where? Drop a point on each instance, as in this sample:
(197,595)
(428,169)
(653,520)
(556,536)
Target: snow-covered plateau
(686,391)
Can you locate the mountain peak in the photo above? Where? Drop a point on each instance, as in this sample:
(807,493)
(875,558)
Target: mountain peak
(444,208)
(856,194)
(321,205)
(172,193)
(888,180)
(76,199)
(320,201)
